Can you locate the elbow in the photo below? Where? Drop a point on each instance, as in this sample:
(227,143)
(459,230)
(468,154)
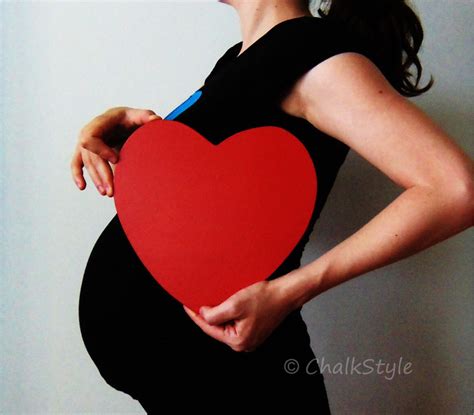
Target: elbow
(463,197)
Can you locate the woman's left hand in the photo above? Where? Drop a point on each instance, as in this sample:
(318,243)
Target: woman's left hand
(246,318)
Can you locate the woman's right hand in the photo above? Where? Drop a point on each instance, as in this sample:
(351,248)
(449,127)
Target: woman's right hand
(99,144)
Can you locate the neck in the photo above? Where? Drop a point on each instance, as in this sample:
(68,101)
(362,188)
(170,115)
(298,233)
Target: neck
(258,16)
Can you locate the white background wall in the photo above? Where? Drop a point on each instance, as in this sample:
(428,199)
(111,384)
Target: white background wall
(63,63)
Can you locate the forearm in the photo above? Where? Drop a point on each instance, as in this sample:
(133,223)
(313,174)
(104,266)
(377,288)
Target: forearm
(420,217)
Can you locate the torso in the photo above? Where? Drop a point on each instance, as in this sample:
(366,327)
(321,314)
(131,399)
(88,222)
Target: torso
(123,310)
(261,86)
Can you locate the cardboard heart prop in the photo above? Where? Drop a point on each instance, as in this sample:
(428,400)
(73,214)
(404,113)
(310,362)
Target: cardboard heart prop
(207,220)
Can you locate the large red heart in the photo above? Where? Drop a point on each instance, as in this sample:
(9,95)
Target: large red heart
(207,220)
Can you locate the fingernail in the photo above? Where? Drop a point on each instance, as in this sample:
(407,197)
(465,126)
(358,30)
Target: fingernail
(101,189)
(152,116)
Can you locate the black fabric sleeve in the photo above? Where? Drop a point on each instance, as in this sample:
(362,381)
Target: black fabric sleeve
(295,49)
(273,63)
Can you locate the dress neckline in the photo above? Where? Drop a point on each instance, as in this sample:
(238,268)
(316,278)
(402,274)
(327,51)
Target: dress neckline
(235,50)
(233,55)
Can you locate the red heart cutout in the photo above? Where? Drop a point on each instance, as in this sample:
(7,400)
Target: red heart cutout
(207,220)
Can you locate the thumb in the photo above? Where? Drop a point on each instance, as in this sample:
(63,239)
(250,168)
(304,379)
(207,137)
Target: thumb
(154,117)
(136,116)
(221,313)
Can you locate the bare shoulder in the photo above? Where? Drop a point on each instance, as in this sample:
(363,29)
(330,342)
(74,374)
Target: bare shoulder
(347,97)
(330,85)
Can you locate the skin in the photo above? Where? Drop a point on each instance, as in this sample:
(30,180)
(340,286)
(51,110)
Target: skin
(338,96)
(94,151)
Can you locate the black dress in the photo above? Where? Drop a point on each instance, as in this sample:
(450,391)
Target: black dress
(140,338)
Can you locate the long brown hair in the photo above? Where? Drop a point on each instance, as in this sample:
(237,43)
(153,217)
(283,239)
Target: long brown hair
(392,31)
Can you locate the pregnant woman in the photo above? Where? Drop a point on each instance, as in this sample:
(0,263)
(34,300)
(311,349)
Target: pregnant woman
(339,81)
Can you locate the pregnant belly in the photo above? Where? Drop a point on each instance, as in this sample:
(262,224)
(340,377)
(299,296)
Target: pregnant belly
(124,314)
(133,329)
(116,285)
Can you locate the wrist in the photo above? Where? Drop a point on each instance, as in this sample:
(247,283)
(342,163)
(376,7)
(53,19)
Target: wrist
(295,288)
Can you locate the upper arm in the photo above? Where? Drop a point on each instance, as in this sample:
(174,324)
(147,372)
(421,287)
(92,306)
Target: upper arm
(347,97)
